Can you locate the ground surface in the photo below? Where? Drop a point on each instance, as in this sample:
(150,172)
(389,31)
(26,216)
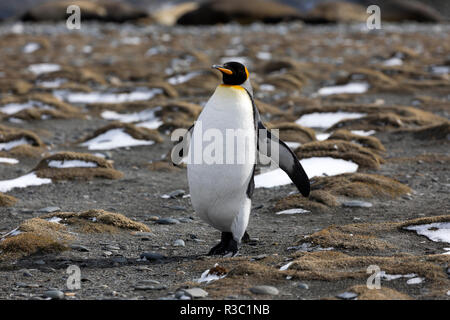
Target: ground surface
(323,55)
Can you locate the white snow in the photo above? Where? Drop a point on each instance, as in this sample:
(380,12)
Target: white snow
(12,144)
(438,232)
(266,87)
(27,180)
(71,164)
(54,219)
(44,68)
(55,83)
(415,280)
(363,133)
(317,166)
(293,211)
(11,108)
(151,124)
(264,55)
(440,70)
(30,47)
(286,266)
(144,115)
(389,277)
(393,62)
(352,87)
(139,94)
(322,136)
(112,139)
(8,160)
(326,119)
(182,78)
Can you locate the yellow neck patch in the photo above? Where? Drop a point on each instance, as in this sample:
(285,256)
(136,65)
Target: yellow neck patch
(232,86)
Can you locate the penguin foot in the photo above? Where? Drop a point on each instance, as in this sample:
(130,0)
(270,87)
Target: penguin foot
(226,247)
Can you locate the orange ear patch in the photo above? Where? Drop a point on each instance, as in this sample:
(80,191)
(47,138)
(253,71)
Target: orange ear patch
(246,72)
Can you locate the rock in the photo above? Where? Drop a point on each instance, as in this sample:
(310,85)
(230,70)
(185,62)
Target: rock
(265,290)
(121,260)
(54,294)
(245,12)
(177,193)
(167,221)
(152,256)
(49,209)
(179,243)
(103,10)
(80,248)
(150,287)
(347,295)
(26,273)
(303,285)
(357,204)
(196,293)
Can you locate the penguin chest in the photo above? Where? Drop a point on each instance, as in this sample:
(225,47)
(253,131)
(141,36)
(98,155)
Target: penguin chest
(222,154)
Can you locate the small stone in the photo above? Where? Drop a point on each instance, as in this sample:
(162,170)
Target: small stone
(167,221)
(110,247)
(49,209)
(26,273)
(177,193)
(54,294)
(80,248)
(179,243)
(196,293)
(265,290)
(303,285)
(150,281)
(107,253)
(39,262)
(152,256)
(149,287)
(347,295)
(357,203)
(120,260)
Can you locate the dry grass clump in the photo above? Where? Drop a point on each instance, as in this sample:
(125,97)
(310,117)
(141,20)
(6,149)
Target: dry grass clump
(178,114)
(365,141)
(428,157)
(98,221)
(423,220)
(59,109)
(340,149)
(103,169)
(326,190)
(383,293)
(291,81)
(433,132)
(77,75)
(164,166)
(139,133)
(6,200)
(33,148)
(290,131)
(15,86)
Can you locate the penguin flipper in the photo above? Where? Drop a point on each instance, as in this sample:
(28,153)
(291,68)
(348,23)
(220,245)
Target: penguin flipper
(285,159)
(179,151)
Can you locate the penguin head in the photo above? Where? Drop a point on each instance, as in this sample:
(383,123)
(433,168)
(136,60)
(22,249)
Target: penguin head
(233,73)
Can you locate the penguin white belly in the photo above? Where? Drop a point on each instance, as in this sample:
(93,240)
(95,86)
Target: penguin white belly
(219,176)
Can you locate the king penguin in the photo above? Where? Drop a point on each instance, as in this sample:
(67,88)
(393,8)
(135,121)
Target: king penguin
(221,189)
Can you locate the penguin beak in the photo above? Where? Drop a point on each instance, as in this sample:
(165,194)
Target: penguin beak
(222,69)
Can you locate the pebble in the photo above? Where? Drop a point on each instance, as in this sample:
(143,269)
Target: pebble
(303,285)
(357,203)
(196,293)
(179,243)
(79,248)
(54,294)
(167,221)
(111,247)
(26,273)
(265,290)
(152,256)
(150,287)
(49,209)
(347,295)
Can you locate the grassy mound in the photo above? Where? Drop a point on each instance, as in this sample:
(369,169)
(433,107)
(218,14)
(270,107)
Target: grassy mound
(290,131)
(6,200)
(33,148)
(365,141)
(102,169)
(134,131)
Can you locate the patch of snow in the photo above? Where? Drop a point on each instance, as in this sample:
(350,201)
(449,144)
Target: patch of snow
(31,47)
(11,108)
(8,160)
(71,164)
(144,115)
(322,136)
(264,55)
(352,88)
(326,119)
(363,133)
(286,266)
(440,69)
(12,144)
(293,211)
(54,219)
(389,277)
(393,62)
(182,78)
(207,277)
(55,83)
(30,179)
(266,87)
(112,139)
(438,232)
(417,280)
(44,68)
(293,145)
(317,166)
(140,94)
